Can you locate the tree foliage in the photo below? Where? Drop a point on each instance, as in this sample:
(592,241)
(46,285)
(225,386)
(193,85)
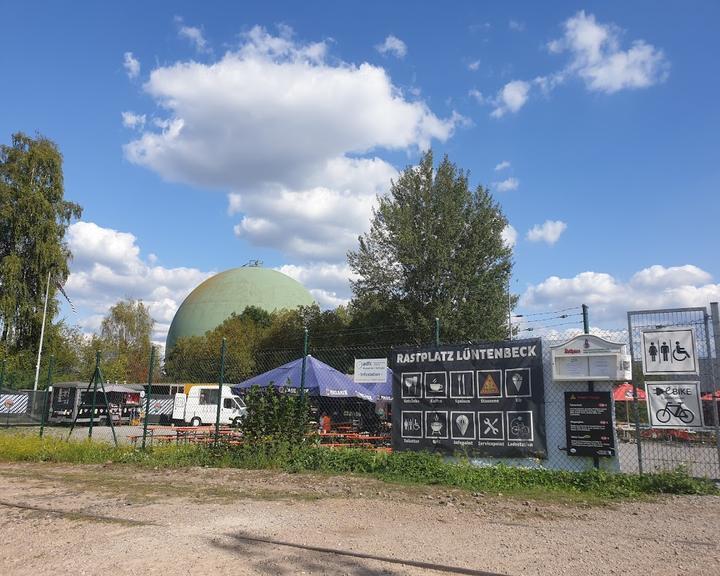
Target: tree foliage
(33,219)
(255,341)
(435,249)
(124,342)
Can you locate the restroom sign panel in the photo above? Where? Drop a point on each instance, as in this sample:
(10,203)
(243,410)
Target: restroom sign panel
(669,351)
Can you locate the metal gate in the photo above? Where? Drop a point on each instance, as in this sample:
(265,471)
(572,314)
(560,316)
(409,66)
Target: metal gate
(696,449)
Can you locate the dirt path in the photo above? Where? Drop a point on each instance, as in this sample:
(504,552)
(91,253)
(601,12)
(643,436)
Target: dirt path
(121,520)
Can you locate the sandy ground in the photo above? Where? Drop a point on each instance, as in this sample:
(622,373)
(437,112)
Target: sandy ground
(121,520)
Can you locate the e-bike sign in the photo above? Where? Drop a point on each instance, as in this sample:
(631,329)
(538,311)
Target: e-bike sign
(674,404)
(669,351)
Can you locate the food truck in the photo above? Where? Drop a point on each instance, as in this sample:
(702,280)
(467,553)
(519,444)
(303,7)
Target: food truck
(73,401)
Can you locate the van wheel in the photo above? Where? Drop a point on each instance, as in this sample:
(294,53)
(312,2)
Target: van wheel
(195,421)
(237,421)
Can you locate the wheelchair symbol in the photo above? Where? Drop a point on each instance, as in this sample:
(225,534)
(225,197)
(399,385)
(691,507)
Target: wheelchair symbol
(679,353)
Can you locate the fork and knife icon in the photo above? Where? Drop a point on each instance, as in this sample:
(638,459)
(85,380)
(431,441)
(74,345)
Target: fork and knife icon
(461,385)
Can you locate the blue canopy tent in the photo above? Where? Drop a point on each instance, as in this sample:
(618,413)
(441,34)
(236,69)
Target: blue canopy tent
(382,390)
(320,380)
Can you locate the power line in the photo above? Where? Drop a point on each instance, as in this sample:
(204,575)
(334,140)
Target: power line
(560,317)
(545,313)
(536,328)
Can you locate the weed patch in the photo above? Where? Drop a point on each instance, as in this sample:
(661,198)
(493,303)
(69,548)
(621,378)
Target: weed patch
(398,467)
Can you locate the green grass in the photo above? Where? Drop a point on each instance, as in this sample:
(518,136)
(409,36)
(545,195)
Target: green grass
(398,467)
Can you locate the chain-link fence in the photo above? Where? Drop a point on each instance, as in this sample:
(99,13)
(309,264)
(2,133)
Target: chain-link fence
(202,396)
(657,448)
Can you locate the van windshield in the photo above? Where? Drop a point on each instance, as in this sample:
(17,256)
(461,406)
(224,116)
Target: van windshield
(239,401)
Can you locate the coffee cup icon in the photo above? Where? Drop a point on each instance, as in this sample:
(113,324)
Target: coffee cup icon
(435,384)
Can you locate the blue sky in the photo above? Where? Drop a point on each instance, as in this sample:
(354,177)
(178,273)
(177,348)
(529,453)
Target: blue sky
(198,137)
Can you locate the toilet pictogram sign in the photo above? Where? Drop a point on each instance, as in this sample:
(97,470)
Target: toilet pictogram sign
(669,351)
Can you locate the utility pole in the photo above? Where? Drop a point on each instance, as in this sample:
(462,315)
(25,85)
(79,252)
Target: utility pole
(42,332)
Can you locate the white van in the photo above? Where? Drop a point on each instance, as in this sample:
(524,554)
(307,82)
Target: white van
(200,406)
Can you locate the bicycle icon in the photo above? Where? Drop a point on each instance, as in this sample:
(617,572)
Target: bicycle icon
(674,409)
(518,428)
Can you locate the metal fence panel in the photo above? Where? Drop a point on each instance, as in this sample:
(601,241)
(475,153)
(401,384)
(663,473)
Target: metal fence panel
(365,422)
(667,449)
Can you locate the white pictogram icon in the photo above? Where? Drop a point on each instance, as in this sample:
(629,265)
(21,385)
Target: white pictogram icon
(462,423)
(491,427)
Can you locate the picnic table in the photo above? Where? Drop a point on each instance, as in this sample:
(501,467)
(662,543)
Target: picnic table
(187,434)
(353,439)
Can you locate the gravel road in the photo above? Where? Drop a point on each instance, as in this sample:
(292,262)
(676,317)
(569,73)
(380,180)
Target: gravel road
(87,520)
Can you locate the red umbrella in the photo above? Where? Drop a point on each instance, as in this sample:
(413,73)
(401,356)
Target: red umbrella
(624,393)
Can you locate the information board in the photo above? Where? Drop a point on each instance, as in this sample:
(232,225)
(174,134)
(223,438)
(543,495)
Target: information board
(674,404)
(370,370)
(587,357)
(669,351)
(485,399)
(589,424)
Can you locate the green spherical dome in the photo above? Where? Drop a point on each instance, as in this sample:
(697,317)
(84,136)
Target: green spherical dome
(213,301)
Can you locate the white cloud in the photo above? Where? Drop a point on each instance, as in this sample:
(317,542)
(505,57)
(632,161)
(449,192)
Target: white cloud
(598,59)
(193,34)
(509,236)
(132,120)
(673,277)
(107,266)
(548,232)
(474,66)
(609,298)
(328,283)
(516,26)
(507,185)
(131,64)
(288,135)
(320,222)
(511,98)
(477,96)
(393,46)
(502,165)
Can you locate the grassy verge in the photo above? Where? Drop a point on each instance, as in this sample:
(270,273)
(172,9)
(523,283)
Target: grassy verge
(402,467)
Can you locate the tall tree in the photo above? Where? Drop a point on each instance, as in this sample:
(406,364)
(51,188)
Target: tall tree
(33,219)
(435,249)
(125,338)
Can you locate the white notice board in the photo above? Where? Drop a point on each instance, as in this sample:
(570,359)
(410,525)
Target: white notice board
(370,370)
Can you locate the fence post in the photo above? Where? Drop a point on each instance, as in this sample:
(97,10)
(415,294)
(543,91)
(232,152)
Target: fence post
(48,389)
(148,394)
(636,410)
(590,384)
(715,317)
(220,387)
(304,363)
(437,331)
(94,393)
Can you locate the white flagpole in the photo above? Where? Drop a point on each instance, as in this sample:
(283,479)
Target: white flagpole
(42,333)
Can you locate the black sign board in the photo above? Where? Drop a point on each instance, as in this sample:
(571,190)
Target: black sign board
(483,399)
(589,424)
